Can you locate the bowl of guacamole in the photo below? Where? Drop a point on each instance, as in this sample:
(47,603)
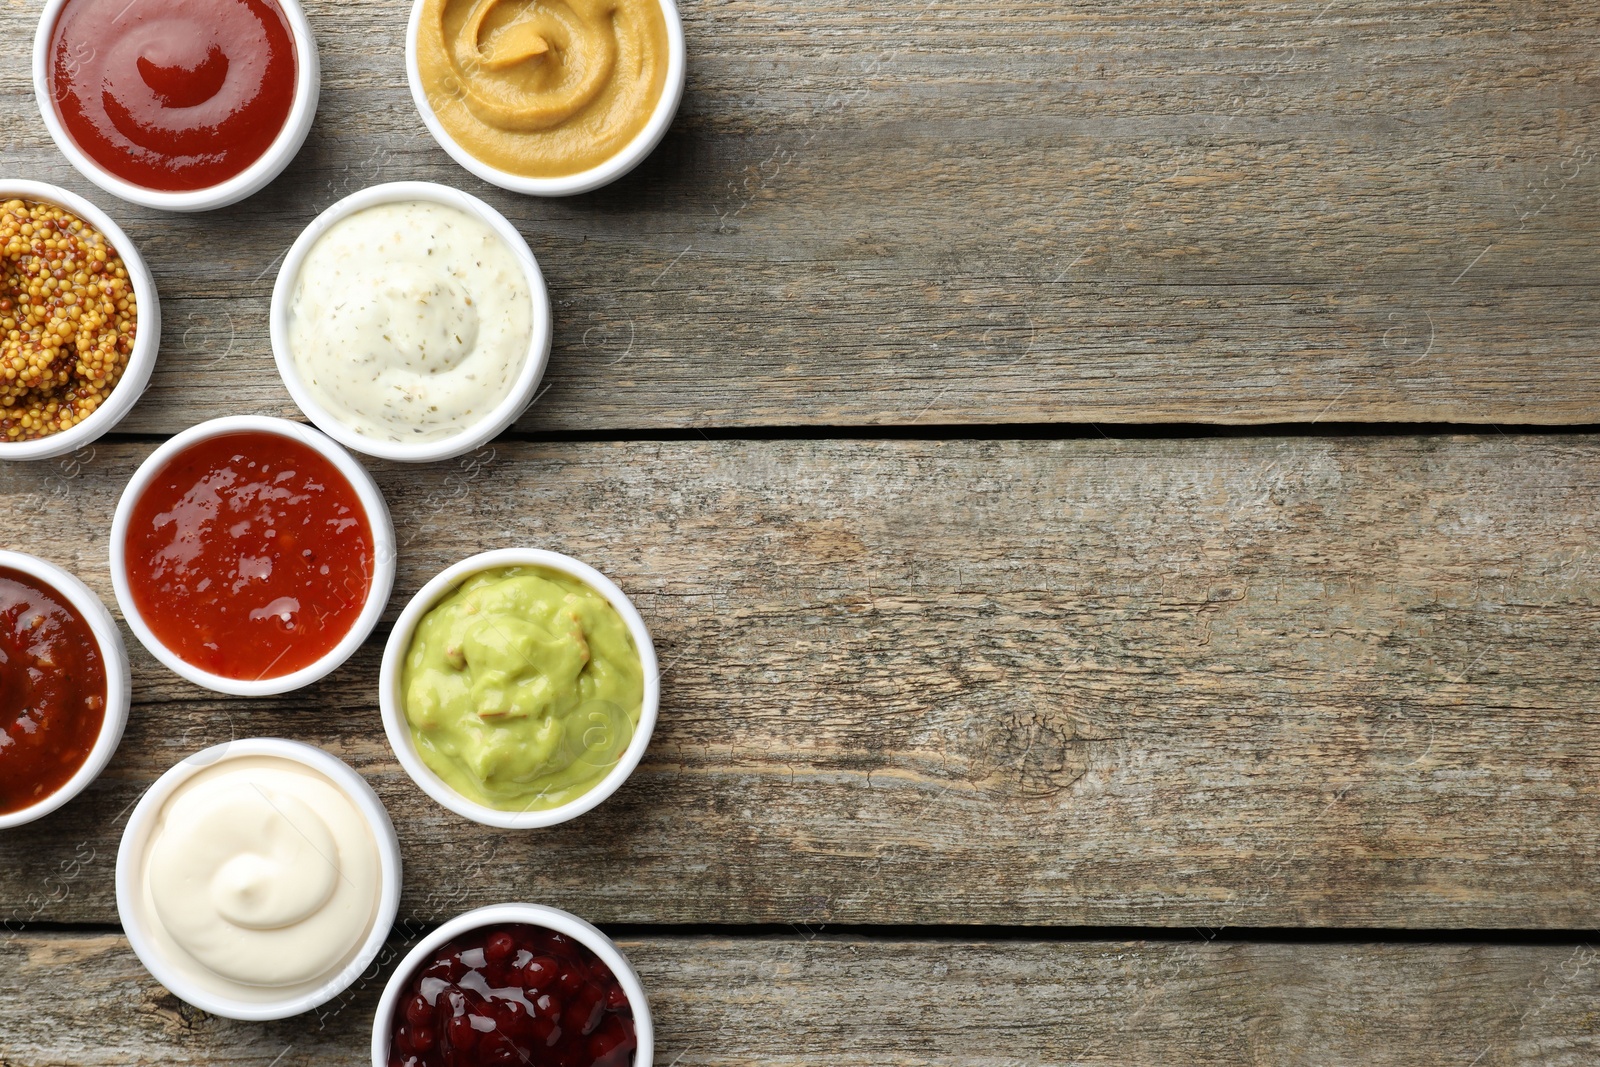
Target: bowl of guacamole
(519,688)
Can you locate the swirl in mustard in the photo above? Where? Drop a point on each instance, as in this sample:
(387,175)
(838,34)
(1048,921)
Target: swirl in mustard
(542,88)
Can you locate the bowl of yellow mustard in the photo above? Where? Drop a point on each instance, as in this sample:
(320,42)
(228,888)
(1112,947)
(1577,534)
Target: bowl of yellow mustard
(519,688)
(549,99)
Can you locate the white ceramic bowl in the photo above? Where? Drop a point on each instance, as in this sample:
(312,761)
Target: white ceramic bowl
(399,731)
(568,185)
(383,553)
(142,823)
(562,922)
(516,400)
(251,180)
(119,680)
(141,361)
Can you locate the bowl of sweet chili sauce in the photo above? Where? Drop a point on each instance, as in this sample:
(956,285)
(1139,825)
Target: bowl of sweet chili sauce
(184,105)
(252,555)
(64,687)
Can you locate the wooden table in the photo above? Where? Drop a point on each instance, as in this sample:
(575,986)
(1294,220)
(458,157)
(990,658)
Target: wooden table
(1111,485)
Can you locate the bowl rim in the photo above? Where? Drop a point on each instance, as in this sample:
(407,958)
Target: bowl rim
(517,399)
(119,679)
(384,552)
(251,180)
(147,337)
(398,730)
(343,777)
(627,158)
(563,922)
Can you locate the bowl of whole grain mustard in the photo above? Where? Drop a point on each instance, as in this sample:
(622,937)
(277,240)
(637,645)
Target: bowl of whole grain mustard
(549,100)
(79,321)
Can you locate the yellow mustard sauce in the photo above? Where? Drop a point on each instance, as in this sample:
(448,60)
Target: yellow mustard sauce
(543,88)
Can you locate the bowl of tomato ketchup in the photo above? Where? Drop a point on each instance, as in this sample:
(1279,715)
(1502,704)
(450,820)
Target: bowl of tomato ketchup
(185,105)
(64,687)
(252,555)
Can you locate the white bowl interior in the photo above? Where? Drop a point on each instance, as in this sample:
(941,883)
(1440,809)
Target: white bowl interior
(634,153)
(251,180)
(119,680)
(399,730)
(142,823)
(147,341)
(562,922)
(384,553)
(502,415)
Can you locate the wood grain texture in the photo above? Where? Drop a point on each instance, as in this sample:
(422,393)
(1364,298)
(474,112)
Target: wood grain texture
(866,1003)
(1212,682)
(922,212)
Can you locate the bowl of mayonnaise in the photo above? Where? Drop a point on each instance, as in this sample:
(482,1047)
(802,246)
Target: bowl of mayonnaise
(410,322)
(258,878)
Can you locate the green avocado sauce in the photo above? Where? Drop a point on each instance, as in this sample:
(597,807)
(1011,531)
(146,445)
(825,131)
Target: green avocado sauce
(522,688)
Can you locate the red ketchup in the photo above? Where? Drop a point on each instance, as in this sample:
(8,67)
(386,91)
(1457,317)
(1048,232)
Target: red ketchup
(515,995)
(249,555)
(173,94)
(52,691)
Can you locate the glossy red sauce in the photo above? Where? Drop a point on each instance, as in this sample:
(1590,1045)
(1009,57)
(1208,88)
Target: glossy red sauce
(173,94)
(249,555)
(52,690)
(517,995)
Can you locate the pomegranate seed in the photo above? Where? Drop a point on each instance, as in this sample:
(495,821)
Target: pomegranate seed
(459,1031)
(540,973)
(499,948)
(572,977)
(497,1049)
(612,1043)
(512,1018)
(584,1010)
(449,969)
(606,1039)
(544,1033)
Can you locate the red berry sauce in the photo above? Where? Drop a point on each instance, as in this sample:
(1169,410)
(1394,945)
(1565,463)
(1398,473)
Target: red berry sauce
(514,994)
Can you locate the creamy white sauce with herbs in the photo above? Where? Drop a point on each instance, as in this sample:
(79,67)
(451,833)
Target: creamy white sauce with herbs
(410,321)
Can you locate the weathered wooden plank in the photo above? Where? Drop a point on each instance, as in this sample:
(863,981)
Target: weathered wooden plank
(1213,682)
(849,1001)
(931,213)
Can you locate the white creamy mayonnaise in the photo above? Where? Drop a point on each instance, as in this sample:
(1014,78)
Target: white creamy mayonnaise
(261,879)
(410,321)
